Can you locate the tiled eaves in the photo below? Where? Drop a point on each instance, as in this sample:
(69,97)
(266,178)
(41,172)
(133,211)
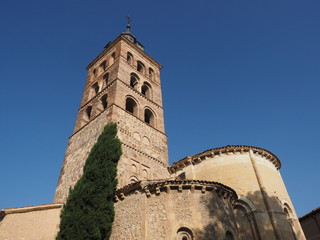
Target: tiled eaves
(166,186)
(229,149)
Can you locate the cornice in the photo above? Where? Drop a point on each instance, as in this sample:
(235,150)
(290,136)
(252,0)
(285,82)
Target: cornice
(229,149)
(157,187)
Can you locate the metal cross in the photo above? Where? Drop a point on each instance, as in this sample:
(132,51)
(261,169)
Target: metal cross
(129,19)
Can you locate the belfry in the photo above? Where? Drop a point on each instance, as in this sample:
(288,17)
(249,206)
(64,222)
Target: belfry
(123,86)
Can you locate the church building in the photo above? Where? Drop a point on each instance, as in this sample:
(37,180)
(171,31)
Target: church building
(232,192)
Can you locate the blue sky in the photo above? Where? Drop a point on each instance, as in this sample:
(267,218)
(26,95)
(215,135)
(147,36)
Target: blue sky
(235,72)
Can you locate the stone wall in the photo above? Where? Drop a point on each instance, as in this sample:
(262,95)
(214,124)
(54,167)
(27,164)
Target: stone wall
(30,223)
(158,211)
(78,149)
(145,153)
(143,146)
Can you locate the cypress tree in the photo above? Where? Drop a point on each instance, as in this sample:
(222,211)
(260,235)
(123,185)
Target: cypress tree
(88,213)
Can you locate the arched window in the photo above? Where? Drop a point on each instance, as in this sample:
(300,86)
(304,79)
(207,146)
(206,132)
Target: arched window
(104,101)
(229,236)
(106,78)
(103,66)
(148,117)
(94,72)
(134,80)
(131,106)
(96,88)
(151,73)
(88,112)
(287,210)
(146,89)
(244,218)
(129,58)
(184,234)
(140,67)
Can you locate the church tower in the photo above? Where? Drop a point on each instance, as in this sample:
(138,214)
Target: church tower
(123,86)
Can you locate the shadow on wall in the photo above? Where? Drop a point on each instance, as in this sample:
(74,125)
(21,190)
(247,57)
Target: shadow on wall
(251,217)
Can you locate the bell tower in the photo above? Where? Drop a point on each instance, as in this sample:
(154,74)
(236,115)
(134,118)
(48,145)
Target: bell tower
(123,86)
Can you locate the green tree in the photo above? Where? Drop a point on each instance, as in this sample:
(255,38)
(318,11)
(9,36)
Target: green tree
(89,212)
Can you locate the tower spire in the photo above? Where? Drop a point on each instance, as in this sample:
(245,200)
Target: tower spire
(130,36)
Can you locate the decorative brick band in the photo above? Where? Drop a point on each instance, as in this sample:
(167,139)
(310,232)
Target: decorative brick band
(145,154)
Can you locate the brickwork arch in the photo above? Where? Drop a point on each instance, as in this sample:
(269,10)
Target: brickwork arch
(140,67)
(146,90)
(134,81)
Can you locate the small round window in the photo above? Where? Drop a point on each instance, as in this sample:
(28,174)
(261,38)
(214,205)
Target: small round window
(184,234)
